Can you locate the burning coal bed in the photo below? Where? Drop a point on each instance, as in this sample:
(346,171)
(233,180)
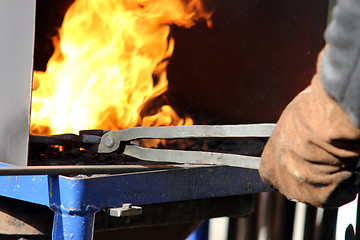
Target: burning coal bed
(71,149)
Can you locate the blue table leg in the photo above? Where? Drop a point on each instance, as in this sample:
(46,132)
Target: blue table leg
(73,218)
(69,226)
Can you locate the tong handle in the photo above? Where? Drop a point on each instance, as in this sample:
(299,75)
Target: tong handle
(110,141)
(192,157)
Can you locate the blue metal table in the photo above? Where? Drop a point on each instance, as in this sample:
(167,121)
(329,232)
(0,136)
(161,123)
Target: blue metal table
(75,200)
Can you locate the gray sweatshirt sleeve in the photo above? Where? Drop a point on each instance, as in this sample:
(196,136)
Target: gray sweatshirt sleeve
(340,67)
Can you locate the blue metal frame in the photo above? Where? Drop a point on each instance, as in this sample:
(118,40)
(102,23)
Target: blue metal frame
(202,233)
(76,200)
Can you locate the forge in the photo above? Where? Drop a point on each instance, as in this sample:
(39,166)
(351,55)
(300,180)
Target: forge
(242,67)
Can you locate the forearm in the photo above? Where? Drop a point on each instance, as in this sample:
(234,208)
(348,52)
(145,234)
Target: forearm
(340,67)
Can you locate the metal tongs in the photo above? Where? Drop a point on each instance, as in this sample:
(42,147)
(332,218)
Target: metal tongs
(121,141)
(114,140)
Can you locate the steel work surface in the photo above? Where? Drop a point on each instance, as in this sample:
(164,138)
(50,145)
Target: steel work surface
(75,197)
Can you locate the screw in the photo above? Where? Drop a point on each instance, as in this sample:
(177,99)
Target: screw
(109,141)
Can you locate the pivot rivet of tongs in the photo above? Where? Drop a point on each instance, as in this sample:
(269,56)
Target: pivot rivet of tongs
(109,141)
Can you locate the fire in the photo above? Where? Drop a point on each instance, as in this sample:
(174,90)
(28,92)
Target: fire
(109,61)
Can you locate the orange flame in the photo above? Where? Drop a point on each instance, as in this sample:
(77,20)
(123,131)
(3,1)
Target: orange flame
(110,59)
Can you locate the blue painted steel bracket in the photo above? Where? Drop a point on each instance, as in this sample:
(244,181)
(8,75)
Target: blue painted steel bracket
(75,200)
